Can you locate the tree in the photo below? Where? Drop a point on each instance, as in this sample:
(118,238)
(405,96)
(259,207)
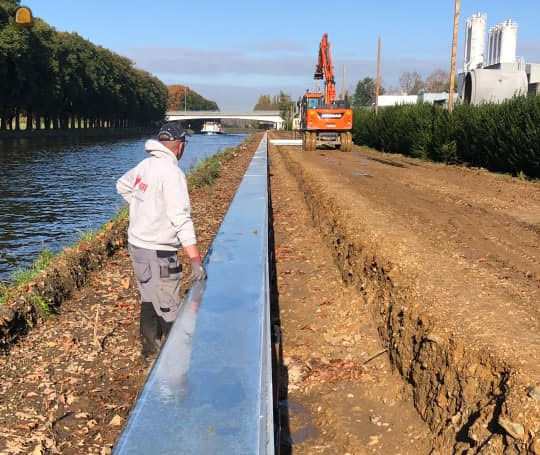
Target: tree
(438,81)
(267,103)
(286,109)
(411,82)
(181,96)
(60,77)
(364,94)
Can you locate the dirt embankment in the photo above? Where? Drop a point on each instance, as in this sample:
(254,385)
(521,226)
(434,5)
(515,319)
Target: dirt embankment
(65,274)
(69,384)
(338,391)
(447,261)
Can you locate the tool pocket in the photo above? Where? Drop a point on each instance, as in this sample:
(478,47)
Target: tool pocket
(143,272)
(169,266)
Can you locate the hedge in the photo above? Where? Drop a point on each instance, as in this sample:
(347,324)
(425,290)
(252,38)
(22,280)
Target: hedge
(499,137)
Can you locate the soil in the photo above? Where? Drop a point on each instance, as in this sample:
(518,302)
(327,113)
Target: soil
(69,384)
(334,399)
(445,260)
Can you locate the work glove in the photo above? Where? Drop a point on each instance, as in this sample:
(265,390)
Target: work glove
(198,271)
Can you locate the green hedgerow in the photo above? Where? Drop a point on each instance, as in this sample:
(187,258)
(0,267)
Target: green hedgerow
(502,137)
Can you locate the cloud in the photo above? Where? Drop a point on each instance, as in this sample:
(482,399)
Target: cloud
(205,62)
(236,78)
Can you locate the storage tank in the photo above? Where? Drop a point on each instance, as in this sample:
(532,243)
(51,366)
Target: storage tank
(493,85)
(507,52)
(503,43)
(475,38)
(491,48)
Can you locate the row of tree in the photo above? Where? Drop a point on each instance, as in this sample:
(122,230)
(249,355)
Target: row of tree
(410,83)
(182,98)
(56,79)
(282,103)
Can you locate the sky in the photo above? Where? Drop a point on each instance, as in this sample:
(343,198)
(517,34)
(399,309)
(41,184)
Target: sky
(232,52)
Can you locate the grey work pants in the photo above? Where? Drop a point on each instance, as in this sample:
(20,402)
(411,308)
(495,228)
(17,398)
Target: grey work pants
(158,275)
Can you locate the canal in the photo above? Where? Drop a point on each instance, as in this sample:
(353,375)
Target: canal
(53,191)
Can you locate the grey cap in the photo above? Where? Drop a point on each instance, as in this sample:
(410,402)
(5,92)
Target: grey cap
(172,131)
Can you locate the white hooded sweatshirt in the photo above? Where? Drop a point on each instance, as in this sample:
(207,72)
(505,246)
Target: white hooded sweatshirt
(157,194)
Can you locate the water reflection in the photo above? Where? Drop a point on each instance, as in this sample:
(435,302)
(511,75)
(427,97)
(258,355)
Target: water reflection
(172,369)
(53,190)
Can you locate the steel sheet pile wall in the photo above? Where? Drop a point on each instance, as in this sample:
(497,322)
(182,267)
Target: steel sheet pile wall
(210,390)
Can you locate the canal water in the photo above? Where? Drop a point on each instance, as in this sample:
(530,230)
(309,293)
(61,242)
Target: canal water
(53,191)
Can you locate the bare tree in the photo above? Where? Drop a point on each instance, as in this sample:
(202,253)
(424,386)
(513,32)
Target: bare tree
(411,82)
(438,81)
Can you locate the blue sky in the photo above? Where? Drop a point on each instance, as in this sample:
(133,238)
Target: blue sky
(233,51)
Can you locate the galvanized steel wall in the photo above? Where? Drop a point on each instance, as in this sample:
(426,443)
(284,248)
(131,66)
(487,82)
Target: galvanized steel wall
(210,391)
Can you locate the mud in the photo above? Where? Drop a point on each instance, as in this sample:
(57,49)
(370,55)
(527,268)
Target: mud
(447,261)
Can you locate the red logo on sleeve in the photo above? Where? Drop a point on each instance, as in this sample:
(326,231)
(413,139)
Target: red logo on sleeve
(139,182)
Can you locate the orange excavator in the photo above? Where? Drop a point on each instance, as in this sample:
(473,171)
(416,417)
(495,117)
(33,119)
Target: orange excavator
(323,119)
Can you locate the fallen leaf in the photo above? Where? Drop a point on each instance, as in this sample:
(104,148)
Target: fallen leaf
(125,282)
(116,421)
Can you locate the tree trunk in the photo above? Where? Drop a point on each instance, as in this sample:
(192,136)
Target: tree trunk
(17,120)
(29,119)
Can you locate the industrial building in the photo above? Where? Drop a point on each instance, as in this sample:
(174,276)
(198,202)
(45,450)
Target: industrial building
(501,74)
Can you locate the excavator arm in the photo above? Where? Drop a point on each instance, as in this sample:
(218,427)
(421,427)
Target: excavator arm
(325,70)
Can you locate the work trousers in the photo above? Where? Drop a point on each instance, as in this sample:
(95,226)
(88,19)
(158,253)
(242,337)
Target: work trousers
(159,275)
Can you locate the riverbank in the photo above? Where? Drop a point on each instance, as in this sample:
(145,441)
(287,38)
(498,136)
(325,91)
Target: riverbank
(39,294)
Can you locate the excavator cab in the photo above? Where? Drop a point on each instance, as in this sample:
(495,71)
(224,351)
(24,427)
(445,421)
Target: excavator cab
(324,125)
(314,101)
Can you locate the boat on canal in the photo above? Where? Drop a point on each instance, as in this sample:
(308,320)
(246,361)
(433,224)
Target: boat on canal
(212,128)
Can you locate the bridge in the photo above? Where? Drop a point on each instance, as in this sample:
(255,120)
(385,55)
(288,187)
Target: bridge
(262,116)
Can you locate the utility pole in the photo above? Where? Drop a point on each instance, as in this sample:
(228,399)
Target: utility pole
(378,80)
(453,61)
(185,98)
(343,89)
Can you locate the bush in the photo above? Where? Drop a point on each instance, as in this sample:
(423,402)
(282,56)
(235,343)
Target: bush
(500,137)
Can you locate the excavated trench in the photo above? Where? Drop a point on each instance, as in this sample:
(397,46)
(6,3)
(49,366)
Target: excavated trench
(473,401)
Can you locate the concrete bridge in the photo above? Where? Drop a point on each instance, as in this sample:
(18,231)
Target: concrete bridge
(262,116)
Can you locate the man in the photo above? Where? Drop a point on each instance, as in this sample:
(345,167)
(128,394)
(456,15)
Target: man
(159,223)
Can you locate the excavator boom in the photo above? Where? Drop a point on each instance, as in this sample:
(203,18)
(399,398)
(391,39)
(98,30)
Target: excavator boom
(325,70)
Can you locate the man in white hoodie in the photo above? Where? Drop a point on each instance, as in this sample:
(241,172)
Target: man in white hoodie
(159,223)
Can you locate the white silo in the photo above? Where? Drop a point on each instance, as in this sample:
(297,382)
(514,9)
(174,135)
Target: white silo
(475,40)
(491,48)
(495,44)
(507,52)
